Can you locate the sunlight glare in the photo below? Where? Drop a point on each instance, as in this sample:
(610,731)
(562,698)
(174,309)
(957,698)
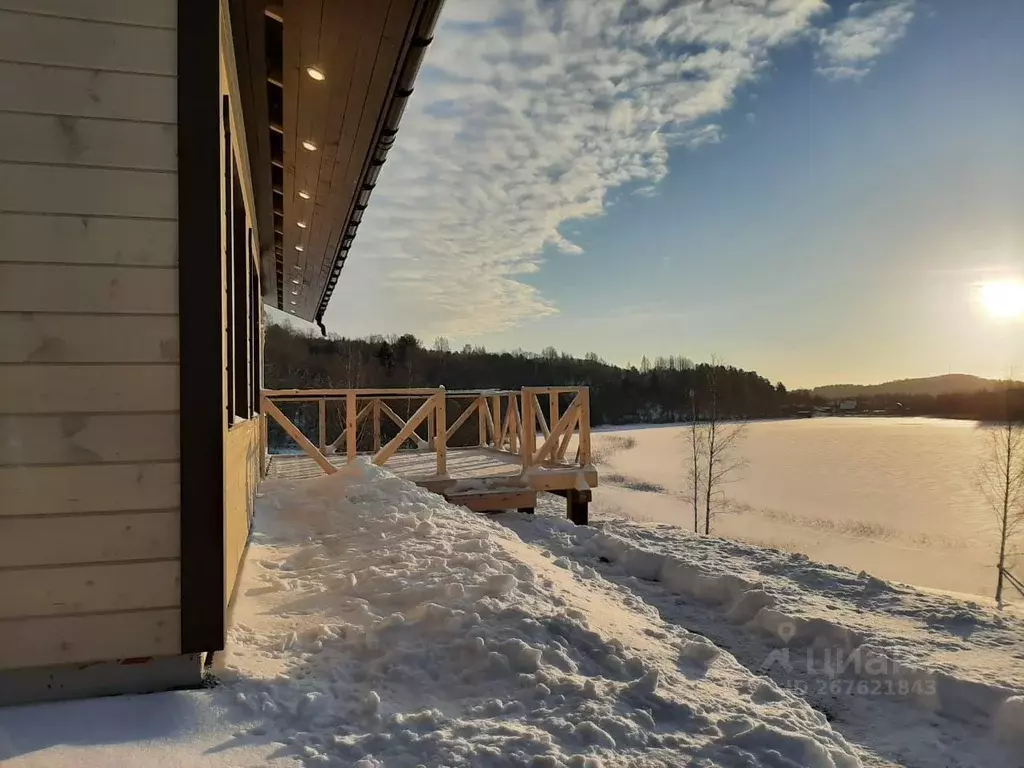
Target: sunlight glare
(1004,299)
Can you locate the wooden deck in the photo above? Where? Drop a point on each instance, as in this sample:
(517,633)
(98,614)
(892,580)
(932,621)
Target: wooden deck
(482,479)
(463,464)
(508,463)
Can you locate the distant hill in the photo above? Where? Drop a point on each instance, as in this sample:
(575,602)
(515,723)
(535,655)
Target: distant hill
(950,383)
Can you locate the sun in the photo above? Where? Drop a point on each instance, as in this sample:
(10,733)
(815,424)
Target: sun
(1003,299)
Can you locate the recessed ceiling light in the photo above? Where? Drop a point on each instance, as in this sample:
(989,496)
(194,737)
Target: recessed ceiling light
(297,282)
(293,302)
(298,247)
(309,145)
(304,195)
(315,73)
(301,224)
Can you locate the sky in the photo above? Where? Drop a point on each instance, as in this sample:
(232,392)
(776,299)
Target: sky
(812,190)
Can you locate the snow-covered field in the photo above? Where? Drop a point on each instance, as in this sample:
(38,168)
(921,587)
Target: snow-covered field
(894,497)
(377,625)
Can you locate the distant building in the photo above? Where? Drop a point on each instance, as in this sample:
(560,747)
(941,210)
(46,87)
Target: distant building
(845,406)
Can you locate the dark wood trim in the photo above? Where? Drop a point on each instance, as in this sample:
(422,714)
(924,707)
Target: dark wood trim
(239,312)
(228,169)
(200,291)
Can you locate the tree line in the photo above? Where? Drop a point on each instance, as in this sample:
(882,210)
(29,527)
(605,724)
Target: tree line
(658,392)
(661,390)
(985,405)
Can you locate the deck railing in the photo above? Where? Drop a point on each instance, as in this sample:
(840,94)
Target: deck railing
(511,422)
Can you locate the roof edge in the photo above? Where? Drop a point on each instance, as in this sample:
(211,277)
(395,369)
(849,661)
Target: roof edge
(418,36)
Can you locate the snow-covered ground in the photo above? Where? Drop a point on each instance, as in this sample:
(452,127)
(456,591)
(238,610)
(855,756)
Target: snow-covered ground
(378,625)
(894,497)
(909,678)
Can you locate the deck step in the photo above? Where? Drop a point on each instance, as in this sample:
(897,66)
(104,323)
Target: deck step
(495,499)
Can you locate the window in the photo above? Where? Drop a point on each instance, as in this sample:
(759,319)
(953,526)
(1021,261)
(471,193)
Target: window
(239,320)
(240,281)
(254,327)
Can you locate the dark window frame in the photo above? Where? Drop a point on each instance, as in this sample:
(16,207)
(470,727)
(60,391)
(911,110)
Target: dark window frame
(228,257)
(255,345)
(238,315)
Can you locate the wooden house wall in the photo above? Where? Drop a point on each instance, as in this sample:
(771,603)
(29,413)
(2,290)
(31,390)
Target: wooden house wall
(89,404)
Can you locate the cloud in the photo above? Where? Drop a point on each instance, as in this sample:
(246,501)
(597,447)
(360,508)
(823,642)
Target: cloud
(870,29)
(526,115)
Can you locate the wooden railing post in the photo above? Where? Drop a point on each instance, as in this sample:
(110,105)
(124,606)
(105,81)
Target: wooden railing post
(322,424)
(376,424)
(529,424)
(513,424)
(350,426)
(496,420)
(441,425)
(264,437)
(584,426)
(552,408)
(481,413)
(431,428)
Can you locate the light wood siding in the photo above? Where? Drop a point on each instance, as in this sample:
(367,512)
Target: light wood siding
(89,478)
(84,289)
(65,490)
(92,241)
(76,438)
(242,467)
(91,637)
(162,15)
(88,141)
(29,388)
(87,93)
(28,337)
(89,588)
(69,42)
(55,540)
(55,190)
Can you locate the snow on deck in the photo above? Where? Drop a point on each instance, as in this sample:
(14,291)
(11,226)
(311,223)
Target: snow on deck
(463,463)
(376,624)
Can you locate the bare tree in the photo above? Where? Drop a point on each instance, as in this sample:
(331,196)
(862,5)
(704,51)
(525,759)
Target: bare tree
(722,438)
(1001,480)
(695,460)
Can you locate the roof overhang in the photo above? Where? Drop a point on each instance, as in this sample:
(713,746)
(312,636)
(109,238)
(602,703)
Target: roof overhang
(369,52)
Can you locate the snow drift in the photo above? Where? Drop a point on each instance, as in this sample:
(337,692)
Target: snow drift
(847,652)
(404,631)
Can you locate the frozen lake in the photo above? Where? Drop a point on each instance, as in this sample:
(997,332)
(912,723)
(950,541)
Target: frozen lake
(894,497)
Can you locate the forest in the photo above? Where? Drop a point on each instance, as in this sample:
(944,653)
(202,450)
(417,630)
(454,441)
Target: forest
(983,405)
(656,392)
